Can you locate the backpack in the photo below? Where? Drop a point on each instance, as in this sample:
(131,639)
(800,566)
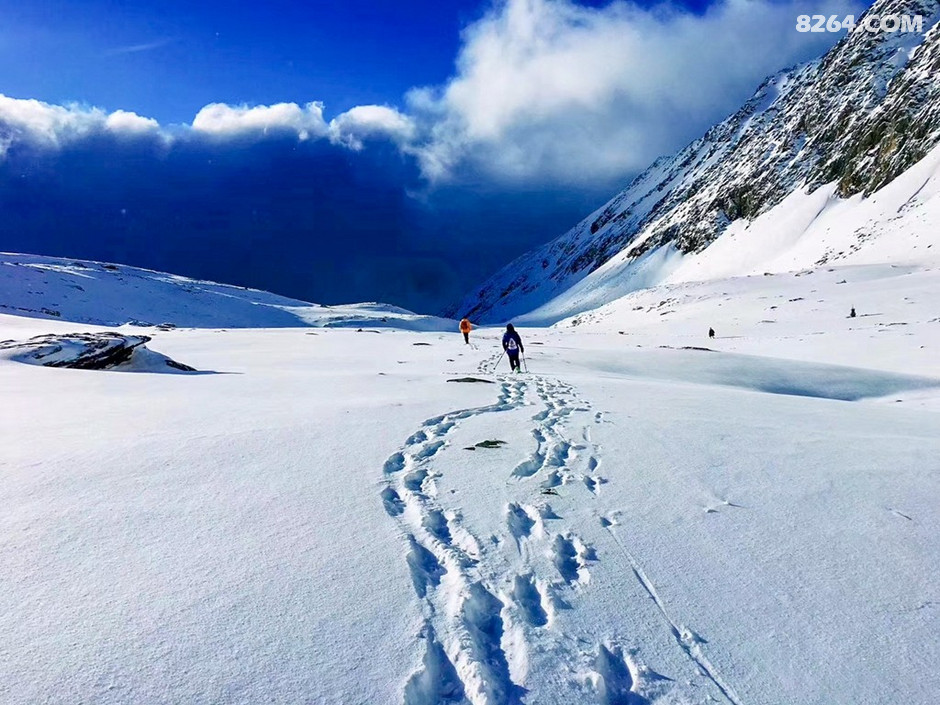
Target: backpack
(512,346)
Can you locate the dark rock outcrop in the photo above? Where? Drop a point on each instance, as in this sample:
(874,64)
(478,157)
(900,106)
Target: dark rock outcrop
(83,351)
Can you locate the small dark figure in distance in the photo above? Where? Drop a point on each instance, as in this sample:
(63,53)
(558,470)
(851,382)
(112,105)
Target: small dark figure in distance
(852,313)
(711,332)
(512,344)
(465,328)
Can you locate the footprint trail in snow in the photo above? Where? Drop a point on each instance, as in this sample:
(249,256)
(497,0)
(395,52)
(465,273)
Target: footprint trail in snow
(499,622)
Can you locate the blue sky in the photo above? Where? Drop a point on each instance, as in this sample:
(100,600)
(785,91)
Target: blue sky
(168,59)
(355,150)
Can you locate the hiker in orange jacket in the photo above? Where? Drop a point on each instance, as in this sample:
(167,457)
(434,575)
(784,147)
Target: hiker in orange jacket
(465,328)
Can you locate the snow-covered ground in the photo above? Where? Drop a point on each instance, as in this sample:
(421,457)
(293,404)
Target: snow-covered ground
(754,524)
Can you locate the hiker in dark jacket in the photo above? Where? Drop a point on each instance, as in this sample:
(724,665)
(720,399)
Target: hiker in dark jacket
(512,344)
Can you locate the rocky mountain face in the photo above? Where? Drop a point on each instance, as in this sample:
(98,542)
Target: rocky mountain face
(859,116)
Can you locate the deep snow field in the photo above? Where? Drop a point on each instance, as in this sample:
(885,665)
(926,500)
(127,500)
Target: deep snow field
(314,522)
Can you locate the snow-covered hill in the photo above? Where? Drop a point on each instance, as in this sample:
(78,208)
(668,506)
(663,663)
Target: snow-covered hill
(113,295)
(826,135)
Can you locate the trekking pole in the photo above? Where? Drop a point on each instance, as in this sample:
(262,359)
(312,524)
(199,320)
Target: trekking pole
(499,360)
(525,364)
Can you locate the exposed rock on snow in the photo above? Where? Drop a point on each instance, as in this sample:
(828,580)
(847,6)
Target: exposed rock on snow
(92,351)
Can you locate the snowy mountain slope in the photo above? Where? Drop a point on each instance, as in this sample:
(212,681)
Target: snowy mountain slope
(854,120)
(113,295)
(896,225)
(655,526)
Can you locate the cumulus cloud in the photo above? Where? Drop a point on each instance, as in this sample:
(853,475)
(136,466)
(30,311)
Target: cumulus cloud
(126,122)
(222,120)
(364,122)
(53,126)
(46,125)
(49,126)
(554,91)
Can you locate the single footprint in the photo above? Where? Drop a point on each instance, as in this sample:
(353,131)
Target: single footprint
(393,504)
(529,600)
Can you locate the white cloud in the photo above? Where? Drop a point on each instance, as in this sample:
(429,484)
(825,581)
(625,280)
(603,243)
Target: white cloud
(122,121)
(371,121)
(52,126)
(44,124)
(550,90)
(222,120)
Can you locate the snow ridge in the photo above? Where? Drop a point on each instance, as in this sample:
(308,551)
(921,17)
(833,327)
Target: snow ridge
(106,294)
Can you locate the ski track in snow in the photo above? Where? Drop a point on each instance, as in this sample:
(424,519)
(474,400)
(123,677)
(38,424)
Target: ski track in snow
(688,640)
(489,611)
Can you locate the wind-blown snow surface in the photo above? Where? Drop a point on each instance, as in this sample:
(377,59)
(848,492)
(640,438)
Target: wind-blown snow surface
(658,526)
(112,295)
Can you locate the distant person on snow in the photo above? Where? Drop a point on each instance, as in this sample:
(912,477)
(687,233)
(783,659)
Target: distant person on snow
(512,344)
(465,328)
(852,313)
(711,332)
